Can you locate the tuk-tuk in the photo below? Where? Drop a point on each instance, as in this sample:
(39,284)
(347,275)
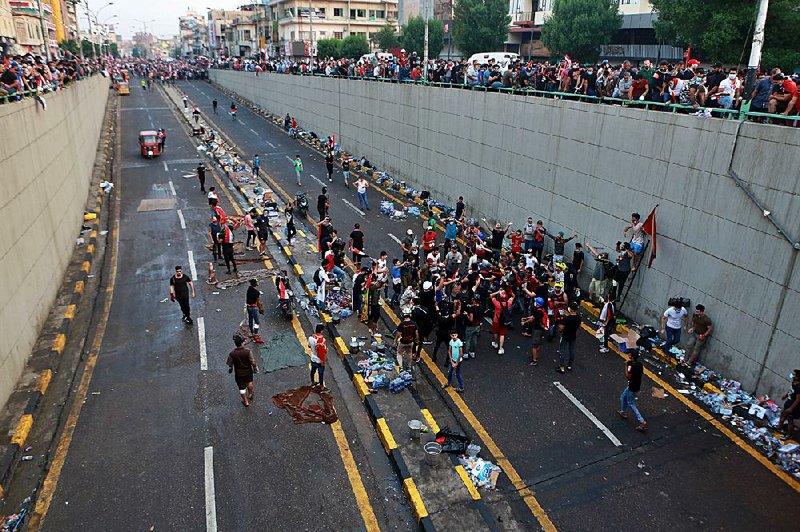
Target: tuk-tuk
(148,144)
(123,88)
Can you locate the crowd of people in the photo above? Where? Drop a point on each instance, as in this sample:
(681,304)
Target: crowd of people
(685,84)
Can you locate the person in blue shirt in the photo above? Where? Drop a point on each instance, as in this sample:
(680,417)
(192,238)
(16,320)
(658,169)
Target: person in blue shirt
(256,165)
(397,285)
(761,94)
(451,229)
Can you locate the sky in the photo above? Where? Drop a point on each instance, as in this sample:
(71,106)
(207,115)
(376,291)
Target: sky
(164,12)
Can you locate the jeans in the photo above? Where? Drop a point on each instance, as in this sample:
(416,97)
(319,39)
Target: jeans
(317,367)
(338,273)
(252,319)
(458,375)
(673,337)
(566,352)
(363,202)
(528,245)
(358,302)
(628,400)
(471,338)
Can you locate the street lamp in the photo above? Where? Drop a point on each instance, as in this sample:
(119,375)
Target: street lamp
(144,26)
(89,14)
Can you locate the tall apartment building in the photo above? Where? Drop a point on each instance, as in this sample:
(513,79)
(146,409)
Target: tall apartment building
(193,34)
(300,21)
(635,40)
(8,35)
(217,22)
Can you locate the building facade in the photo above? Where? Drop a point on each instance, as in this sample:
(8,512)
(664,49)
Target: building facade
(636,39)
(293,21)
(193,34)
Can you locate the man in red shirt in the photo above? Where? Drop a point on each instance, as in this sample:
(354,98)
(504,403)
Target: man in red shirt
(784,99)
(429,239)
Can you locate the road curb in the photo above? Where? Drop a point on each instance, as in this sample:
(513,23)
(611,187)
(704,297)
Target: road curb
(379,423)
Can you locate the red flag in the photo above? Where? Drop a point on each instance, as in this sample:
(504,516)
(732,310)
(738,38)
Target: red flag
(649,227)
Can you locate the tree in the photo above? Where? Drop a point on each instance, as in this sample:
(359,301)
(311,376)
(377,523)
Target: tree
(329,48)
(480,25)
(113,49)
(88,48)
(386,38)
(413,38)
(70,46)
(136,52)
(579,27)
(722,30)
(354,46)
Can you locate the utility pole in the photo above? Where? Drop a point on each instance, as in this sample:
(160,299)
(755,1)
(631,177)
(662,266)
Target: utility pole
(755,50)
(311,30)
(45,35)
(425,51)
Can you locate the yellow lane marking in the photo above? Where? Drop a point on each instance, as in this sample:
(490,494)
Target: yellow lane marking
(342,346)
(23,428)
(385,435)
(301,233)
(350,467)
(86,266)
(781,474)
(59,457)
(416,501)
(313,248)
(78,287)
(429,420)
(297,269)
(473,491)
(287,251)
(90,248)
(501,460)
(70,312)
(44,381)
(59,343)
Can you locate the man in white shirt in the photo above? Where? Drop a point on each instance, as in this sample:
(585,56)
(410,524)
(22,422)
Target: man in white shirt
(361,190)
(472,74)
(729,90)
(673,320)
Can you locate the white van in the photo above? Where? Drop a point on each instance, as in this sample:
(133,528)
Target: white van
(373,58)
(501,58)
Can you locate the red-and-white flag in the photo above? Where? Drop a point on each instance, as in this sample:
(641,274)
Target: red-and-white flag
(649,227)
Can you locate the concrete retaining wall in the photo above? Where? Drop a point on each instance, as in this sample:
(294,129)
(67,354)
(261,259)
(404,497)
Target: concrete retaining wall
(46,159)
(584,168)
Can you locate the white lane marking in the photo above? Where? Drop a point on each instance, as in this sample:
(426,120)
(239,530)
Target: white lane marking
(290,159)
(254,132)
(315,178)
(166,169)
(359,211)
(201,337)
(183,221)
(172,188)
(211,499)
(394,238)
(588,414)
(271,145)
(192,268)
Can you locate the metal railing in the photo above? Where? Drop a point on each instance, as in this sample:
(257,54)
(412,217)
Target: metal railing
(20,95)
(717,112)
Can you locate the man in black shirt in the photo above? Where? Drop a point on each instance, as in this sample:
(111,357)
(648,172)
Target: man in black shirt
(254,308)
(459,208)
(498,234)
(323,204)
(179,288)
(569,333)
(262,230)
(201,176)
(329,164)
(356,244)
(633,372)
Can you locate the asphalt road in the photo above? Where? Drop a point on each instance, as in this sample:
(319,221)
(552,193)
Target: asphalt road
(140,453)
(681,473)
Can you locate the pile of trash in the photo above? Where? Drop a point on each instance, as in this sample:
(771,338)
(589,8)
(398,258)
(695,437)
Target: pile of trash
(482,473)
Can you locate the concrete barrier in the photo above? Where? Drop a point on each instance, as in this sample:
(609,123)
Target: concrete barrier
(46,159)
(585,168)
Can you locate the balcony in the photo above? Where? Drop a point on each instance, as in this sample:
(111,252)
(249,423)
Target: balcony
(641,51)
(522,18)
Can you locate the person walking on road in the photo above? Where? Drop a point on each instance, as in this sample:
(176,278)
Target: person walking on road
(233,111)
(329,164)
(298,168)
(256,165)
(250,226)
(406,338)
(196,115)
(262,230)
(361,190)
(346,171)
(254,308)
(608,321)
(213,199)
(323,203)
(214,104)
(180,286)
(291,230)
(201,176)
(633,372)
(319,354)
(242,364)
(569,333)
(185,103)
(456,351)
(214,228)
(502,318)
(227,239)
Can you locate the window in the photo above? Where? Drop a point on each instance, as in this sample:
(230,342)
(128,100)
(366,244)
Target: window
(338,12)
(338,35)
(322,34)
(376,14)
(357,13)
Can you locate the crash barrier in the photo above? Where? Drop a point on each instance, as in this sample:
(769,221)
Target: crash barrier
(743,114)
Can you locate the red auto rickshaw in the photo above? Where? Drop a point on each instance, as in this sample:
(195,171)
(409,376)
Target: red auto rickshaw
(148,144)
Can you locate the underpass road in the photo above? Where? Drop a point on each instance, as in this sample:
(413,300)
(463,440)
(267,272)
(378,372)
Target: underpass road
(161,442)
(681,473)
